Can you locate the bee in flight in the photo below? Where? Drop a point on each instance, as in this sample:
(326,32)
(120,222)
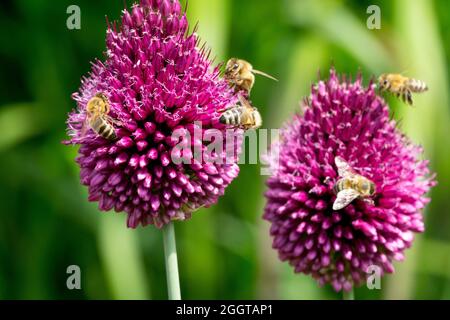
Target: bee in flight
(351,186)
(241,75)
(97,110)
(243,116)
(402,87)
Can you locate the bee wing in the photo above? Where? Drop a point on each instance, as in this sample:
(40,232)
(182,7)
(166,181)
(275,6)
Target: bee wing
(113,121)
(246,114)
(264,75)
(344,198)
(344,169)
(245,103)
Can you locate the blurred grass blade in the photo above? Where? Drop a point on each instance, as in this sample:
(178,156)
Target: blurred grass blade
(213,18)
(425,58)
(195,244)
(18,122)
(122,259)
(334,21)
(308,57)
(435,258)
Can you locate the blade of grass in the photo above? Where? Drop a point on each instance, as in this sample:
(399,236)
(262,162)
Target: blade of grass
(420,46)
(213,18)
(334,21)
(122,260)
(308,56)
(202,275)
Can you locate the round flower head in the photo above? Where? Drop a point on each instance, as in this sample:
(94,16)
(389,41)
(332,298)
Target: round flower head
(344,121)
(161,89)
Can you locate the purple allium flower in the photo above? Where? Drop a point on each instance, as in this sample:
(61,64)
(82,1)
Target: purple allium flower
(157,82)
(347,120)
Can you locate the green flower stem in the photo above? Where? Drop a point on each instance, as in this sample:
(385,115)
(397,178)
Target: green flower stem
(349,295)
(170,253)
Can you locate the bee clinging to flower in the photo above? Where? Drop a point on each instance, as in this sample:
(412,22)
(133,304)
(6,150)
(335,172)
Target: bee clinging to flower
(243,116)
(401,86)
(97,118)
(351,186)
(241,75)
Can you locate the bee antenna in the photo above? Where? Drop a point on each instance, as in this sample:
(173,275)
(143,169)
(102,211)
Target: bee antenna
(265,75)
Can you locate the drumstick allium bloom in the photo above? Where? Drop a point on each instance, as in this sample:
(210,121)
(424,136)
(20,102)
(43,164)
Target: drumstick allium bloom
(158,82)
(337,247)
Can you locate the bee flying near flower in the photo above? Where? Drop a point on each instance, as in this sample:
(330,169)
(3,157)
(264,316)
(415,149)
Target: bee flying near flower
(402,87)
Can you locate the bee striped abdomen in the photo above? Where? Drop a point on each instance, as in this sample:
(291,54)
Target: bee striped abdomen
(232,116)
(417,85)
(340,185)
(103,128)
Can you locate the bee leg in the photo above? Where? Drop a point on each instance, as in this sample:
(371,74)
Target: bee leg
(407,97)
(114,121)
(327,180)
(224,110)
(369,201)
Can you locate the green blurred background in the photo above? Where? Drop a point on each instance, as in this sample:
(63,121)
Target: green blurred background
(46,223)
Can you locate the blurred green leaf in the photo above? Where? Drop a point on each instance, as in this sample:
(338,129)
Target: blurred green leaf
(19,122)
(213,18)
(332,19)
(308,57)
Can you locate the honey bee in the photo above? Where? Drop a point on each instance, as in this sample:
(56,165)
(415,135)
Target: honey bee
(243,116)
(351,186)
(402,87)
(97,110)
(241,75)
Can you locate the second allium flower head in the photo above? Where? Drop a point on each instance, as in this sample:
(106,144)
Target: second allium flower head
(345,120)
(157,81)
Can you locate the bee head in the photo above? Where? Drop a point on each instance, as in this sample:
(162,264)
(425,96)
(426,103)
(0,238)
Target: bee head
(383,81)
(233,66)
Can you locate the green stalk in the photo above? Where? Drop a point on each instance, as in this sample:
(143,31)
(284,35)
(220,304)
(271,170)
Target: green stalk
(170,253)
(348,295)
